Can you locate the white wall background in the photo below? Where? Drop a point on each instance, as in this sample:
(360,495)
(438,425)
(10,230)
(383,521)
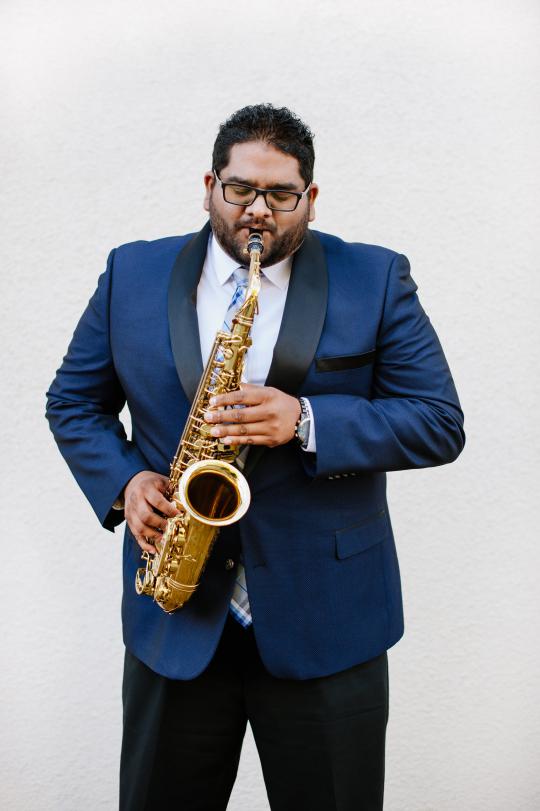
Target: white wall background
(427,122)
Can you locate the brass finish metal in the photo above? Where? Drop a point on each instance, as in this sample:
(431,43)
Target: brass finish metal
(204,485)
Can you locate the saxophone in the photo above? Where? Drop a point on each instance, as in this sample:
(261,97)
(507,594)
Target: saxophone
(207,489)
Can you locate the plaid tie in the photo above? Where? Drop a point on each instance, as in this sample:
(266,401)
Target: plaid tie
(240,277)
(239,605)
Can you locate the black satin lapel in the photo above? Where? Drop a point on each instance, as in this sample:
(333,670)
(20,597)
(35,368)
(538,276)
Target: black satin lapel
(183,324)
(303,318)
(301,325)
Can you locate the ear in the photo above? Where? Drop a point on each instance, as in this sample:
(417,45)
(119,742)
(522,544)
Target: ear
(312,196)
(209,182)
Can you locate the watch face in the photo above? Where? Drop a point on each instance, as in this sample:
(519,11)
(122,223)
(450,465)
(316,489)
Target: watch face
(303,431)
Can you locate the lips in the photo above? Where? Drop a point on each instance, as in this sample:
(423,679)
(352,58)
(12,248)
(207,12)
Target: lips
(252,227)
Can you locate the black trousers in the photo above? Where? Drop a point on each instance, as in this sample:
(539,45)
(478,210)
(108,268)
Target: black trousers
(320,741)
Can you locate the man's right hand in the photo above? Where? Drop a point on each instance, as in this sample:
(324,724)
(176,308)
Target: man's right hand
(145,505)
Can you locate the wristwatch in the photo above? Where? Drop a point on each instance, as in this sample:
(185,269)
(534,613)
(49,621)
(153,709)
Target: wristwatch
(301,429)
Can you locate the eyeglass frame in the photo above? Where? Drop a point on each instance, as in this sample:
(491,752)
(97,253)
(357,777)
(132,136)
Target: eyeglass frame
(263,192)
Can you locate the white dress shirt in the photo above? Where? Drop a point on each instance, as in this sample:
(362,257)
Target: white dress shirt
(214,293)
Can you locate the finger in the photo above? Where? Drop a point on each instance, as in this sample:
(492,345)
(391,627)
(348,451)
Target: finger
(242,430)
(160,503)
(142,541)
(247,394)
(144,521)
(256,413)
(258,439)
(162,482)
(151,521)
(146,537)
(156,481)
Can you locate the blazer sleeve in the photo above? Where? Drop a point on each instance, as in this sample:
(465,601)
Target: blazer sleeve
(413,419)
(83,406)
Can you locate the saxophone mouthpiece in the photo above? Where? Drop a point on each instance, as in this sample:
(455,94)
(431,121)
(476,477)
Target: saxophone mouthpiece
(255,242)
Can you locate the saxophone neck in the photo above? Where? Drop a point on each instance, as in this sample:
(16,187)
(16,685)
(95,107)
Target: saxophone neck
(254,278)
(255,248)
(253,288)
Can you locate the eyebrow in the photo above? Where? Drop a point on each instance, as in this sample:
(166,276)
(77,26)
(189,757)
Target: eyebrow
(244,182)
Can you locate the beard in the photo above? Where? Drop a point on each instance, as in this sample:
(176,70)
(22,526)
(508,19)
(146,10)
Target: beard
(232,243)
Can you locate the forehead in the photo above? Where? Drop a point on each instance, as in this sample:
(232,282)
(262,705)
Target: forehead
(261,164)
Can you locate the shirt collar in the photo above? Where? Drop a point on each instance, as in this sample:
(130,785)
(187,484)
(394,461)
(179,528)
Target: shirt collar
(224,266)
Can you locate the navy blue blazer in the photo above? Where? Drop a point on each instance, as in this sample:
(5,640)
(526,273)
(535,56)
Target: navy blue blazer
(317,543)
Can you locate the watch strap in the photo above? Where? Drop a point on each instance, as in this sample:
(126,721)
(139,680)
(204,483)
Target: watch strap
(301,429)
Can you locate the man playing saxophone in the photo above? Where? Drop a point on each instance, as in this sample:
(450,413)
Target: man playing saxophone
(342,379)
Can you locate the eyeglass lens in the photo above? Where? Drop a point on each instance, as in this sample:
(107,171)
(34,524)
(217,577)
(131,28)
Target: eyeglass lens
(244,196)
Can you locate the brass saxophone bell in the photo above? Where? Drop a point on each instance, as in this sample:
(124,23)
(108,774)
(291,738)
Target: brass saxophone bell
(214,492)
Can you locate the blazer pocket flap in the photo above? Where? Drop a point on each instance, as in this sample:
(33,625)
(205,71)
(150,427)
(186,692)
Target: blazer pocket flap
(341,363)
(359,537)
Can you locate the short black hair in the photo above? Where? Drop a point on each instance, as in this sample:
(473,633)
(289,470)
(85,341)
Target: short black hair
(277,126)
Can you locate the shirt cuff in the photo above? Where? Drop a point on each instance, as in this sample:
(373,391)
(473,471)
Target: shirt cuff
(311,446)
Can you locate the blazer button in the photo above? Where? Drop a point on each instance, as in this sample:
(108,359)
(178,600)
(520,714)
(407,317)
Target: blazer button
(229,564)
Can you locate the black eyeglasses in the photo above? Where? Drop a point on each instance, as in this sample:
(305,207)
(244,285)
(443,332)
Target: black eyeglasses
(238,194)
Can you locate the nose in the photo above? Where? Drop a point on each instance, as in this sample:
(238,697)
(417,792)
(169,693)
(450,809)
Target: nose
(258,208)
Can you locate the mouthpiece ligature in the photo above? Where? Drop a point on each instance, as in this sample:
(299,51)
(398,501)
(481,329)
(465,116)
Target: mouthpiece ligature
(255,242)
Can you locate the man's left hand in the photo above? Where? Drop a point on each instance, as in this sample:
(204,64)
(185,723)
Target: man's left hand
(268,417)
